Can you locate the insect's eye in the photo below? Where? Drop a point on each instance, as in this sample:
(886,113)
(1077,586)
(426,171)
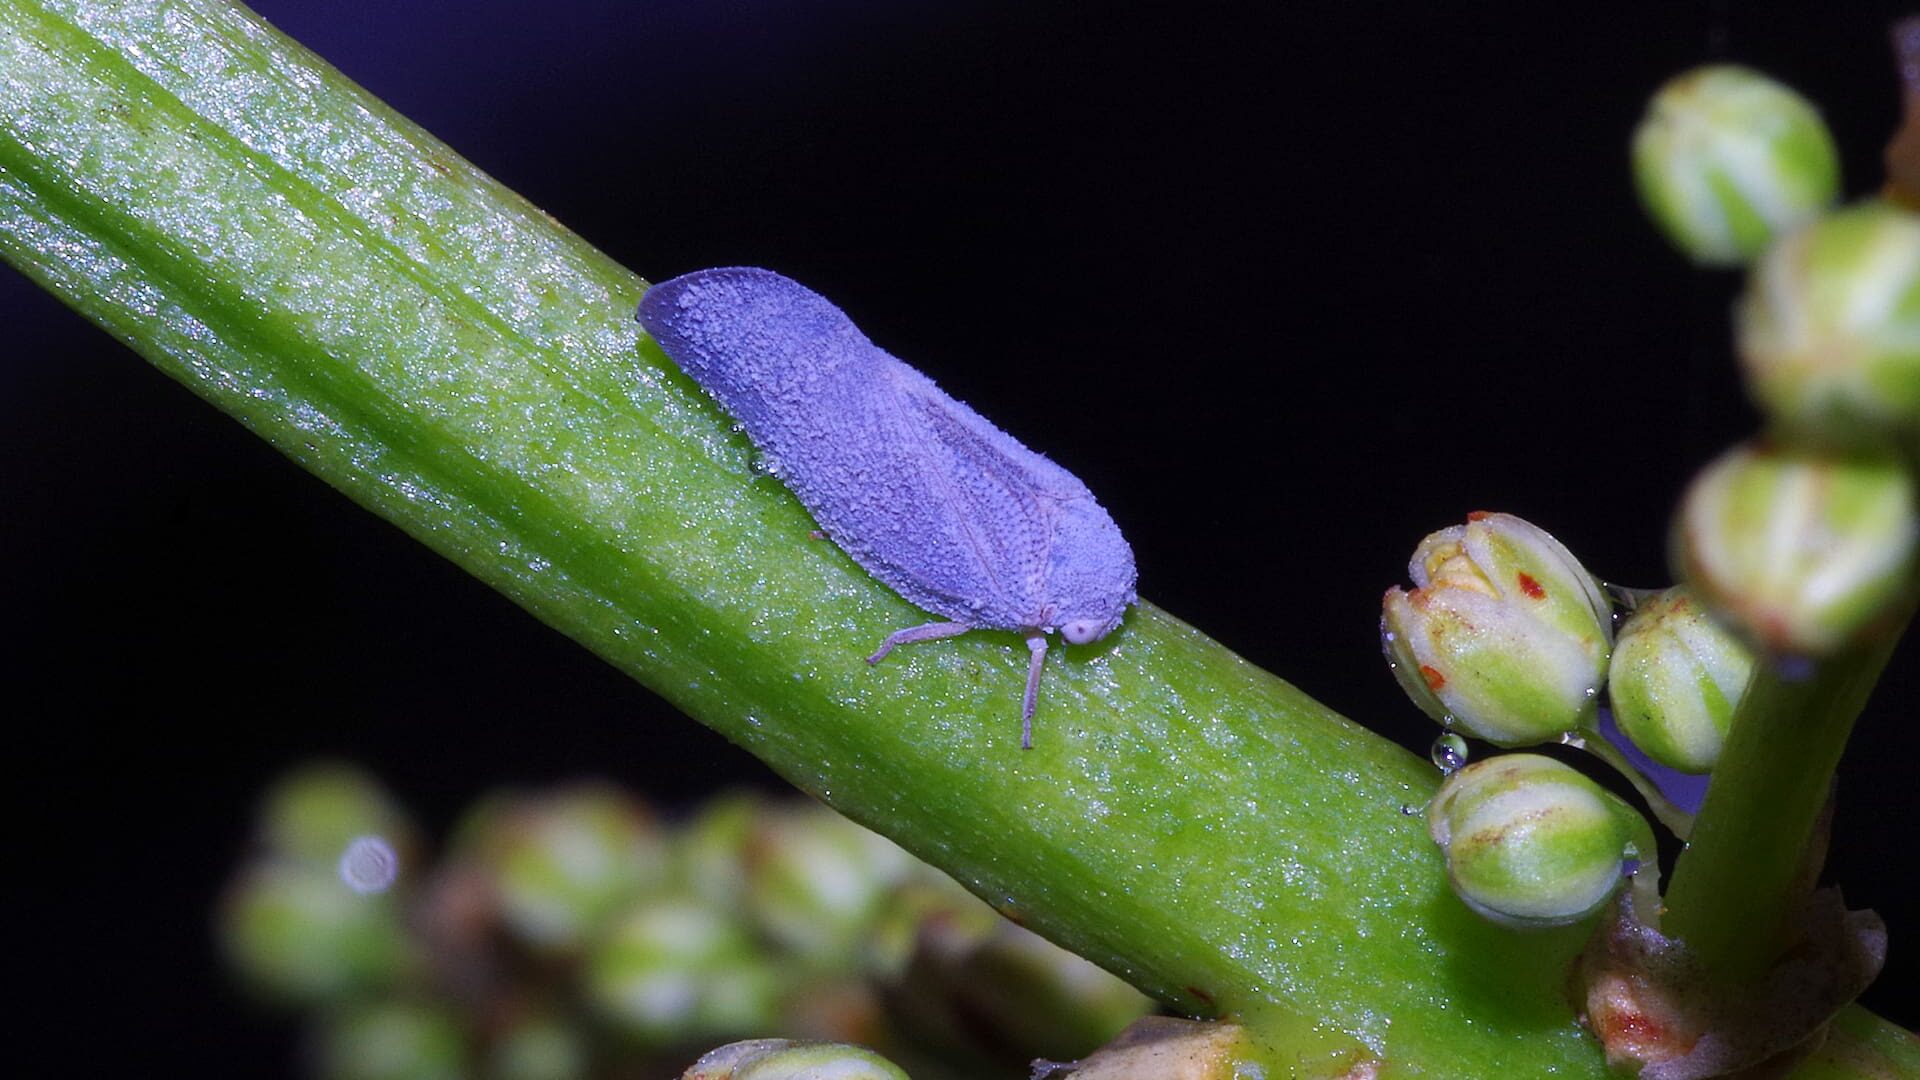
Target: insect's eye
(1080,631)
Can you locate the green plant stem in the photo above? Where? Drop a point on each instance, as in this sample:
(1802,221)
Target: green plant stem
(454,360)
(1744,871)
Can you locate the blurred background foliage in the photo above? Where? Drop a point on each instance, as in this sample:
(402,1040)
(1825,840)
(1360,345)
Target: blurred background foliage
(575,932)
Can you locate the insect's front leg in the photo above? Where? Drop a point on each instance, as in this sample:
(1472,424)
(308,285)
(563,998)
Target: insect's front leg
(1036,641)
(911,634)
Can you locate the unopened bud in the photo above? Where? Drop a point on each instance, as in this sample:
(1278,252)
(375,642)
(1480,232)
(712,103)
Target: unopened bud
(782,1059)
(817,882)
(1505,635)
(1677,677)
(1829,328)
(1802,554)
(1531,842)
(710,850)
(298,933)
(675,969)
(315,812)
(1727,158)
(563,864)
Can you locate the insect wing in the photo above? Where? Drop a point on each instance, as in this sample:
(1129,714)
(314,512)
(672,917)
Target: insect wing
(965,522)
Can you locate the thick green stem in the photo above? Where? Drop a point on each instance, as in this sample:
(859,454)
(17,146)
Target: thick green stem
(457,362)
(1744,871)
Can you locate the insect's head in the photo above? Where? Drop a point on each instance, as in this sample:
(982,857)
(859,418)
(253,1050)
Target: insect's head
(1081,631)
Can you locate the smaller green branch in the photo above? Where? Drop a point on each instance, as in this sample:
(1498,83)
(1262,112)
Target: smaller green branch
(1677,821)
(1744,870)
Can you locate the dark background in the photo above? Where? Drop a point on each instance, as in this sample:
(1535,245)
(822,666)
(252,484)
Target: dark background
(1287,288)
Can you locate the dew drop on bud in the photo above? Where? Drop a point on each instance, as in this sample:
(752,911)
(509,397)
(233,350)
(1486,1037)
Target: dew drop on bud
(1449,753)
(369,865)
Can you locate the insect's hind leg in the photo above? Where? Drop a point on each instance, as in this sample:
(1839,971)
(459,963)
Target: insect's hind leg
(929,632)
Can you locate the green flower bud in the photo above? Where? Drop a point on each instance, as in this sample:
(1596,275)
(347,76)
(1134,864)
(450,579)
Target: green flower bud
(710,851)
(1531,842)
(1504,635)
(1801,554)
(782,1059)
(1727,158)
(299,933)
(566,863)
(393,1041)
(1829,328)
(818,882)
(313,813)
(1676,678)
(676,969)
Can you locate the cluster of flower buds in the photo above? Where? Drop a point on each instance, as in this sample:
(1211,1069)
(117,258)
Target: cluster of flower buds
(293,923)
(1793,549)
(571,934)
(1506,637)
(1804,542)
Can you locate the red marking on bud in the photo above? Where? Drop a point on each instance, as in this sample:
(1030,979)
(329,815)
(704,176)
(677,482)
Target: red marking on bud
(1435,680)
(1531,587)
(1478,514)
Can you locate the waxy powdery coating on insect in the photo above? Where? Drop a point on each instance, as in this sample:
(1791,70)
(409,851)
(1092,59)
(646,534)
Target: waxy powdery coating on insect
(927,495)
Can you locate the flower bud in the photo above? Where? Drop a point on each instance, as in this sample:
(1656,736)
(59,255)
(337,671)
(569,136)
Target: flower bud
(1675,680)
(1531,842)
(817,882)
(710,851)
(1802,554)
(393,1041)
(565,863)
(315,812)
(1829,328)
(1504,635)
(1727,158)
(298,933)
(675,969)
(782,1059)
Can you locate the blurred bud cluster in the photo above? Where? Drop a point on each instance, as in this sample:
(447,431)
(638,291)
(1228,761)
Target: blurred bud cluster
(1803,540)
(1792,549)
(574,933)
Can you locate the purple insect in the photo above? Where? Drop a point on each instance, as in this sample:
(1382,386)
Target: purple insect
(948,510)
